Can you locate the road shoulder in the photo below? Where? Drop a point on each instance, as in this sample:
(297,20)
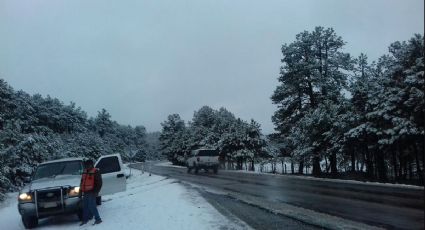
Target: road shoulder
(150,202)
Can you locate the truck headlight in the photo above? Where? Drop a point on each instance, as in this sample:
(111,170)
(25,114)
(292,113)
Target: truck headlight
(25,197)
(75,191)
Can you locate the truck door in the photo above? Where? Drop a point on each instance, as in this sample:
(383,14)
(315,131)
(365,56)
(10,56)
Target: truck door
(113,176)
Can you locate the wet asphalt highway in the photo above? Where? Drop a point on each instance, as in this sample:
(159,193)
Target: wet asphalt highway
(382,206)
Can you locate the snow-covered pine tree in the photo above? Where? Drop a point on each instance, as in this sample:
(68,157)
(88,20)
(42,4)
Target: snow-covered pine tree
(36,128)
(313,72)
(103,123)
(173,138)
(397,110)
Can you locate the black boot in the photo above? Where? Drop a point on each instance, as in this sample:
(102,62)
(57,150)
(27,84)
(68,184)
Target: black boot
(97,222)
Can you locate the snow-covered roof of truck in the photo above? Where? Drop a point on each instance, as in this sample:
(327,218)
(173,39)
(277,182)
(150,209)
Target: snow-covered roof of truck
(63,160)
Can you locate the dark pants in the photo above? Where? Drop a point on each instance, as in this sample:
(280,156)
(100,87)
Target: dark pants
(89,207)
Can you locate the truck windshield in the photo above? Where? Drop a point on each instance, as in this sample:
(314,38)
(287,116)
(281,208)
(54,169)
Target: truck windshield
(58,168)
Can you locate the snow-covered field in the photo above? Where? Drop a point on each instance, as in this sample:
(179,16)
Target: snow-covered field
(150,202)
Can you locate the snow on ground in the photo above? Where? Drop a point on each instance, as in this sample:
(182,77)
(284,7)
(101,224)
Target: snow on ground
(150,202)
(169,164)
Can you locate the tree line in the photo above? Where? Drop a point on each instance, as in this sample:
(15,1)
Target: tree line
(34,129)
(345,116)
(238,142)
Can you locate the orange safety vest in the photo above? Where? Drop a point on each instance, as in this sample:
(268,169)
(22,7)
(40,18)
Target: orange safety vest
(87,182)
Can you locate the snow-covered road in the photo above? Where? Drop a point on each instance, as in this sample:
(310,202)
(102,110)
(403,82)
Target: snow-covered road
(150,202)
(327,203)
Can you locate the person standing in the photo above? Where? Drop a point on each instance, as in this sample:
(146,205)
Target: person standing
(91,183)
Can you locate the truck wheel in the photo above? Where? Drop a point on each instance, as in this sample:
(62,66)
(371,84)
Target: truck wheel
(30,221)
(215,169)
(98,200)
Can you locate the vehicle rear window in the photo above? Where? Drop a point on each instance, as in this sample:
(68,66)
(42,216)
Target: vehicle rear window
(208,153)
(109,165)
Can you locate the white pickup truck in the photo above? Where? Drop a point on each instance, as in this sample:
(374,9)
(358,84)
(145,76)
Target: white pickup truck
(54,187)
(203,159)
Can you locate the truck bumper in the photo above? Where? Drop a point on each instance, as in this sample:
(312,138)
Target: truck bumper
(71,205)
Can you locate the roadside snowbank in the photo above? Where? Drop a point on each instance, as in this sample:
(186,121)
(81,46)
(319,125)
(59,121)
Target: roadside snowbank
(150,202)
(169,164)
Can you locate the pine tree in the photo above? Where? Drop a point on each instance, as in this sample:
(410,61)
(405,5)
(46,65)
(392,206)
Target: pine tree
(313,73)
(103,123)
(173,138)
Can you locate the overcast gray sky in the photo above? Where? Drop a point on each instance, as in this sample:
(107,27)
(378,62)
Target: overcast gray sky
(143,60)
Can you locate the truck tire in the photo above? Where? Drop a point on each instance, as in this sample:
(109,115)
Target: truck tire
(30,221)
(98,200)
